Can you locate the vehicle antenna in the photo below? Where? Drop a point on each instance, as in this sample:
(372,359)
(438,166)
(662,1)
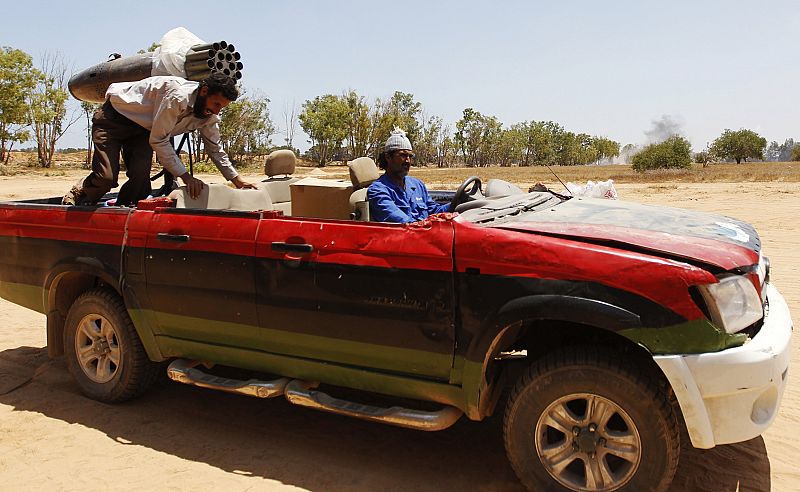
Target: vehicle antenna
(559,179)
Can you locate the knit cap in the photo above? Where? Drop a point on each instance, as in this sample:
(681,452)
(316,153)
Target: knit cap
(397,141)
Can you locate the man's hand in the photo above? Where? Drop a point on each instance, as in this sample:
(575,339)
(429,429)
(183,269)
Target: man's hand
(240,183)
(194,185)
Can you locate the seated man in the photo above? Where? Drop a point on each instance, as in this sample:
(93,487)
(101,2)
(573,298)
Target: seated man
(395,196)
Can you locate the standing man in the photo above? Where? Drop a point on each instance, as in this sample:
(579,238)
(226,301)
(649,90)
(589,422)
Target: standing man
(396,196)
(140,117)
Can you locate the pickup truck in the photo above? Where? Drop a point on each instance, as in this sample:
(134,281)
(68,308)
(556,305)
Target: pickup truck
(606,331)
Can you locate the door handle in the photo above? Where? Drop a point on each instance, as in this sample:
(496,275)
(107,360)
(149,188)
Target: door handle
(292,248)
(173,238)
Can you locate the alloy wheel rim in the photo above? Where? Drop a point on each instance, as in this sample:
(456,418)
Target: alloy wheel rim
(588,443)
(97,348)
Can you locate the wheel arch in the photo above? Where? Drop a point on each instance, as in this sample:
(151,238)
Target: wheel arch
(539,324)
(63,285)
(578,310)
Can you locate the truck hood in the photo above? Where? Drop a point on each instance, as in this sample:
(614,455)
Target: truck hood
(696,236)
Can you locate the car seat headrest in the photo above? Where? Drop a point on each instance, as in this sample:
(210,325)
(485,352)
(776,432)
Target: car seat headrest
(363,171)
(280,162)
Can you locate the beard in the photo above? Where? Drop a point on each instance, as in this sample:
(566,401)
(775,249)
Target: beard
(199,109)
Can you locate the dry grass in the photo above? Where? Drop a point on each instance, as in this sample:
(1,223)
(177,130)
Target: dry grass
(25,163)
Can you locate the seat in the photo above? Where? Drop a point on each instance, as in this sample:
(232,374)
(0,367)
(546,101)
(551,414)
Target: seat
(279,167)
(499,187)
(363,172)
(222,197)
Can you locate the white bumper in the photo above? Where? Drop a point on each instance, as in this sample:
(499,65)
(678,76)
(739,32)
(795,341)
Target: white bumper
(733,395)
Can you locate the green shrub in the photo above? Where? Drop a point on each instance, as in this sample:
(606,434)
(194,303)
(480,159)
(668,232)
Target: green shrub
(702,157)
(203,167)
(674,152)
(739,145)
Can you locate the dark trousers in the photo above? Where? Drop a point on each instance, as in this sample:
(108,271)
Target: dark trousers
(114,134)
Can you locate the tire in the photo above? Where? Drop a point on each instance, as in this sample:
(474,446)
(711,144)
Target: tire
(103,350)
(584,419)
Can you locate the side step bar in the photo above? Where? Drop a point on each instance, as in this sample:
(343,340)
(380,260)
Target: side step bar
(303,393)
(184,371)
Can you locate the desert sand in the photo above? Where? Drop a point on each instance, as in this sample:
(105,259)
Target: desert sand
(183,438)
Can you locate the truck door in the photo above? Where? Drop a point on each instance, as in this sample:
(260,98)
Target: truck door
(358,293)
(199,276)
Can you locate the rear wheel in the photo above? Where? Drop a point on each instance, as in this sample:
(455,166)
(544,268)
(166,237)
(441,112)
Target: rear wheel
(583,419)
(103,351)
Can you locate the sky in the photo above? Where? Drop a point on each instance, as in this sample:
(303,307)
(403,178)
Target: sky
(618,69)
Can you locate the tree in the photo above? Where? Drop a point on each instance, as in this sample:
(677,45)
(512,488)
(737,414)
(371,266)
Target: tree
(674,152)
(324,119)
(739,145)
(425,146)
(605,147)
(489,141)
(474,136)
(290,122)
(434,144)
(17,80)
(196,142)
(574,149)
(245,127)
(508,147)
(48,107)
(153,46)
(467,135)
(703,158)
(540,140)
(359,126)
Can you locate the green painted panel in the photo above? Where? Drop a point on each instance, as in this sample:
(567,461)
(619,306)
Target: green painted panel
(474,385)
(29,296)
(693,337)
(307,346)
(145,328)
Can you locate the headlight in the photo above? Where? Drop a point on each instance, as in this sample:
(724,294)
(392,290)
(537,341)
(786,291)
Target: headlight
(734,303)
(762,269)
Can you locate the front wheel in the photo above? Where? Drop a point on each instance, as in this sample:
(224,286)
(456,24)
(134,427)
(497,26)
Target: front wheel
(583,419)
(103,350)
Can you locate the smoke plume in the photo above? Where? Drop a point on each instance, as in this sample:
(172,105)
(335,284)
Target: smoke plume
(664,128)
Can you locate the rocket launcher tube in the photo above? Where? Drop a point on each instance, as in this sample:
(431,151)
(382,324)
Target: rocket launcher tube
(199,55)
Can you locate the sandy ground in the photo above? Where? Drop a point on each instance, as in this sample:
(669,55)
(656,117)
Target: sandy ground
(182,438)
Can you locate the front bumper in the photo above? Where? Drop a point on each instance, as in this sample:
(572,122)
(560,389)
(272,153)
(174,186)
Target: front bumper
(733,395)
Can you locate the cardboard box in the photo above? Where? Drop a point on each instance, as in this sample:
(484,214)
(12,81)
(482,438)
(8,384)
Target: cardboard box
(321,198)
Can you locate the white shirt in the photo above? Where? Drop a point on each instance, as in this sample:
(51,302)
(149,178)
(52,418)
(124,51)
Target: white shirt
(164,105)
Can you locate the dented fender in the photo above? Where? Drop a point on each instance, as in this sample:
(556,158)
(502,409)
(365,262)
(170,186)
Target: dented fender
(734,395)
